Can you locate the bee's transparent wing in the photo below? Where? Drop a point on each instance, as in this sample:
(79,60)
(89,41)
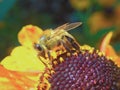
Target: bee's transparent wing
(68,26)
(72,26)
(62,26)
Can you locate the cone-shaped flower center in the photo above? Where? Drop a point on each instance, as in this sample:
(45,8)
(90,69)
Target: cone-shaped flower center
(85,70)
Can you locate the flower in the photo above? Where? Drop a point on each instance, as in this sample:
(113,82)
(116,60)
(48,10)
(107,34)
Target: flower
(107,3)
(84,68)
(80,4)
(21,70)
(102,22)
(106,18)
(26,52)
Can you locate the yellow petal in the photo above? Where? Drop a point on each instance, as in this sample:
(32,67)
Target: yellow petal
(29,34)
(23,59)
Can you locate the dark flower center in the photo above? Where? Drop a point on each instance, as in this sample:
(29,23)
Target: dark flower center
(85,70)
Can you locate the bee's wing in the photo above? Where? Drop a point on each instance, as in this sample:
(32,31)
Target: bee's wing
(62,26)
(68,26)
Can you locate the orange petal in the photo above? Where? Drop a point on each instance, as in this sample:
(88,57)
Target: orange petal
(108,49)
(106,42)
(12,80)
(29,34)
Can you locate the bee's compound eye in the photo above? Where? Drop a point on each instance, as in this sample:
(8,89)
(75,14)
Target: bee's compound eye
(38,47)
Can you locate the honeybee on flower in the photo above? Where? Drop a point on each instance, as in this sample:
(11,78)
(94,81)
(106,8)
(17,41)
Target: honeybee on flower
(57,40)
(67,71)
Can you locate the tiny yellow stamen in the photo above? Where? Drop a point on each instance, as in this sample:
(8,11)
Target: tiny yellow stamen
(91,51)
(100,53)
(55,62)
(52,71)
(68,54)
(47,76)
(86,47)
(61,59)
(53,54)
(59,52)
(75,54)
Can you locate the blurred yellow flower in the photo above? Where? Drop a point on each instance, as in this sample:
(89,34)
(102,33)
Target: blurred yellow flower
(80,4)
(106,3)
(105,18)
(98,21)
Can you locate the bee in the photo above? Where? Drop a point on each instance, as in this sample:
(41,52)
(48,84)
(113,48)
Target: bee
(57,39)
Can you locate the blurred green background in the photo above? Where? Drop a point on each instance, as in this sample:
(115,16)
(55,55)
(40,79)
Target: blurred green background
(98,17)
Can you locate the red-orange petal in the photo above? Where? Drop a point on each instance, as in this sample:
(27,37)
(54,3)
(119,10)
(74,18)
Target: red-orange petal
(14,80)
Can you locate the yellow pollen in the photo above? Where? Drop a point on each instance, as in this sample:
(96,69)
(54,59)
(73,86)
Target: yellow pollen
(60,52)
(100,53)
(52,72)
(68,54)
(47,76)
(75,54)
(86,47)
(53,54)
(61,59)
(91,51)
(55,62)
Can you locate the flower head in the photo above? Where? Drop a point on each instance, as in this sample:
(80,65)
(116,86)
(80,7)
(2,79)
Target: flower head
(22,68)
(73,67)
(83,69)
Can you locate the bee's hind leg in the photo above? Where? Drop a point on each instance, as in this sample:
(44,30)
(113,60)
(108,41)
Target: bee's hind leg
(66,45)
(72,42)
